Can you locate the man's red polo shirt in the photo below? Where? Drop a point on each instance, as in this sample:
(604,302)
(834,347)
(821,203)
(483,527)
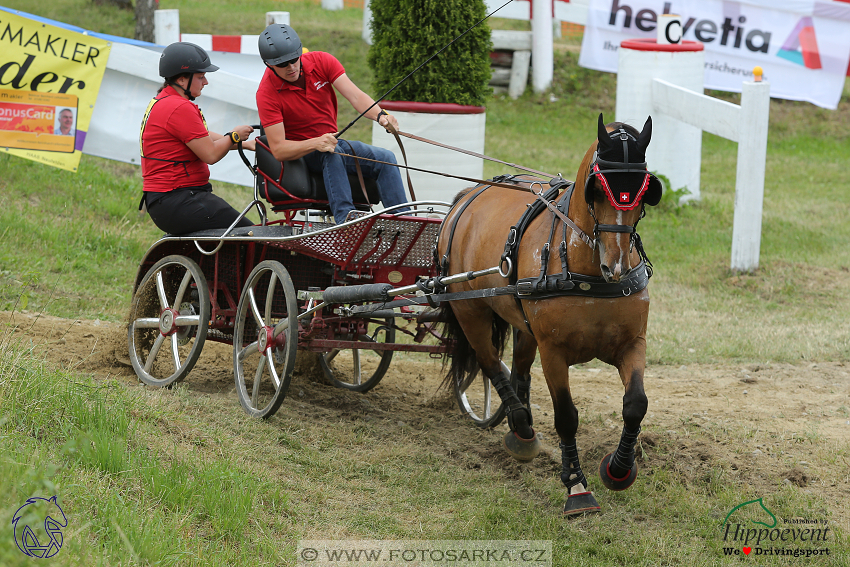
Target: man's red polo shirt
(170,122)
(305,113)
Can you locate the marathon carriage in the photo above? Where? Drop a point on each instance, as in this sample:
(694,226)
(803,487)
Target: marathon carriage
(294,284)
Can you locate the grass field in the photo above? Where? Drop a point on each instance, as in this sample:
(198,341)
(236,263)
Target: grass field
(183,478)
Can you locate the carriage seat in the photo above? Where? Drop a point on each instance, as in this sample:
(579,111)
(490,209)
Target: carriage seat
(306,187)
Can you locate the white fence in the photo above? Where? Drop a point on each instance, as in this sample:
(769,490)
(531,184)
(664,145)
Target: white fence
(746,124)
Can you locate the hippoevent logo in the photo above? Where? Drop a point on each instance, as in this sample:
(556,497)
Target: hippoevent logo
(801,47)
(751,528)
(38,529)
(728,33)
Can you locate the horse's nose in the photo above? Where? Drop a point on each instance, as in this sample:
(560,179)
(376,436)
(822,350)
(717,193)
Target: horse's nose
(611,275)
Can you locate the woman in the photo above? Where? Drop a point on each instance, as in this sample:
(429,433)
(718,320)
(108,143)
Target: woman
(177,148)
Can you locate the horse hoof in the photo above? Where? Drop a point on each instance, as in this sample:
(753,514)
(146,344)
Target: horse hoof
(581,503)
(612,483)
(523,450)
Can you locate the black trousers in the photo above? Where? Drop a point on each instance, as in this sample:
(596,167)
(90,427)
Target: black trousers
(190,209)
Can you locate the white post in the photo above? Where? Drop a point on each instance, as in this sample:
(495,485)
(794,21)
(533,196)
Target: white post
(277,18)
(333,4)
(749,188)
(542,58)
(367,22)
(166,26)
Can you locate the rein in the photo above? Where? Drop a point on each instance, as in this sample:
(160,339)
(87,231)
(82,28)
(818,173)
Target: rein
(556,180)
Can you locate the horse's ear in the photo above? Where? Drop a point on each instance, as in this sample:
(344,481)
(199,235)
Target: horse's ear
(645,135)
(603,136)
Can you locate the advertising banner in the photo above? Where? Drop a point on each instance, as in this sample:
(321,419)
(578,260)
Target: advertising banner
(803,46)
(49,81)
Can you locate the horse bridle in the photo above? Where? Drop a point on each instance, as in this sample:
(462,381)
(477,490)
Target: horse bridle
(596,169)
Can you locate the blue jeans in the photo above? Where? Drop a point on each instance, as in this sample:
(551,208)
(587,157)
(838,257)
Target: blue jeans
(336,168)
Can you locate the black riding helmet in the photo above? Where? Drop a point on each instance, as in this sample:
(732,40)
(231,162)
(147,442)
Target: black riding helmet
(184,58)
(279,43)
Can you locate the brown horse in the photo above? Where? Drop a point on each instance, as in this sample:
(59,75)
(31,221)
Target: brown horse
(586,300)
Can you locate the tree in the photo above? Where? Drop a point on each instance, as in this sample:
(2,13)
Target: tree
(407,32)
(145,19)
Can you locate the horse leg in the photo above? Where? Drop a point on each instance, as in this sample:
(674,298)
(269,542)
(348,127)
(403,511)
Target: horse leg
(618,470)
(522,448)
(476,320)
(579,498)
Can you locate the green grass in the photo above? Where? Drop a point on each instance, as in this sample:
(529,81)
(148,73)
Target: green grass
(158,477)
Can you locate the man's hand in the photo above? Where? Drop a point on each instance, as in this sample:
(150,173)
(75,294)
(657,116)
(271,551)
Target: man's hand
(386,119)
(326,143)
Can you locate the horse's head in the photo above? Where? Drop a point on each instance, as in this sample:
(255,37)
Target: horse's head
(617,186)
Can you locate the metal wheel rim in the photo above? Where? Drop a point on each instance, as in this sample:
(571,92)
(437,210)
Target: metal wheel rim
(275,363)
(490,406)
(171,346)
(361,383)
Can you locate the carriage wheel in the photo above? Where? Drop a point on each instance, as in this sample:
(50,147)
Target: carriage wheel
(265,339)
(481,402)
(169,318)
(358,369)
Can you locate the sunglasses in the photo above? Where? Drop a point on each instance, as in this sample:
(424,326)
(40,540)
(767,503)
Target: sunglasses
(286,64)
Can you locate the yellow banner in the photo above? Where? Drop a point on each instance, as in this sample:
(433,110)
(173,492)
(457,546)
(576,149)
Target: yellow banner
(49,79)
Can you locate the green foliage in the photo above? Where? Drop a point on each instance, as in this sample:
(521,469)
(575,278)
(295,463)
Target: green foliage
(408,32)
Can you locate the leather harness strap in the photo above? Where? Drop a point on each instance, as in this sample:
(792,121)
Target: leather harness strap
(391,129)
(360,176)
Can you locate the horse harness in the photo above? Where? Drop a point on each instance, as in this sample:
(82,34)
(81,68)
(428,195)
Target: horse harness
(545,285)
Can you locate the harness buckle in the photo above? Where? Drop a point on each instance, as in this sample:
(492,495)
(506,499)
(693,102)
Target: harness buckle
(524,288)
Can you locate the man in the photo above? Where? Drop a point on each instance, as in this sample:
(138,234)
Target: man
(298,110)
(66,123)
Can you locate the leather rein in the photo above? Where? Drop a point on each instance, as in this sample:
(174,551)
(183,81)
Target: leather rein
(554,180)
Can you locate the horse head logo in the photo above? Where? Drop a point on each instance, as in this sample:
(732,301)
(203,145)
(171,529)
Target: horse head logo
(30,518)
(754,509)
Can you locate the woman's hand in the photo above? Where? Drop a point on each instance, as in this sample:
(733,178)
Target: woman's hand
(244,132)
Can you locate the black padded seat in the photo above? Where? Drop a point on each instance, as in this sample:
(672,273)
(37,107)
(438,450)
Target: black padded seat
(301,183)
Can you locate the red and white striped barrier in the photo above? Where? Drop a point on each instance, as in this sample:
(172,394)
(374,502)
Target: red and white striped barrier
(246,44)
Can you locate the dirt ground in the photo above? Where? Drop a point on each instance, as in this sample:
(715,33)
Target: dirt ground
(762,425)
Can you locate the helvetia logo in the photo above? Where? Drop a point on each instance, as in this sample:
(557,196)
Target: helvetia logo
(801,47)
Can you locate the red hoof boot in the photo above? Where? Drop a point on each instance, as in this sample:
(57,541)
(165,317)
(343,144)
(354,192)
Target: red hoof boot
(523,450)
(580,504)
(612,483)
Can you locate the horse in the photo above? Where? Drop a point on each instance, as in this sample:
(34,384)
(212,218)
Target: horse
(587,301)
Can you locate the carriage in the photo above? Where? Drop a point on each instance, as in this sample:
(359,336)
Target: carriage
(262,288)
(360,291)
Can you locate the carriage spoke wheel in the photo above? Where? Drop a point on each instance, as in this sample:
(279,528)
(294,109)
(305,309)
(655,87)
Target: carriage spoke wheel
(168,322)
(265,339)
(360,370)
(480,401)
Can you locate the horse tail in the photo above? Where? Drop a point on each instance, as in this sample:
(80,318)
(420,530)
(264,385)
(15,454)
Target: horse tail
(461,358)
